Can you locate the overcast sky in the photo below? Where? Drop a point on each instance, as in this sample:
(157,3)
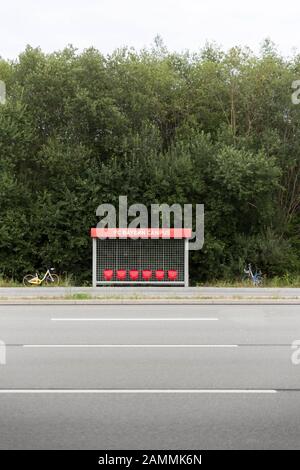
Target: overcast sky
(183,24)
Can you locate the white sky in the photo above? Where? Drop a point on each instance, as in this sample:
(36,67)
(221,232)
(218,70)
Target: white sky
(183,24)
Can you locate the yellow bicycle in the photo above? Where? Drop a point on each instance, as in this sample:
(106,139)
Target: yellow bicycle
(49,278)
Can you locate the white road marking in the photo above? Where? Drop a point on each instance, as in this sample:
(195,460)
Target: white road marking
(135,319)
(130,346)
(135,391)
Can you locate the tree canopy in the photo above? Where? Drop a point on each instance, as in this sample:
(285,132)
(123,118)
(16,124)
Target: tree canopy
(214,127)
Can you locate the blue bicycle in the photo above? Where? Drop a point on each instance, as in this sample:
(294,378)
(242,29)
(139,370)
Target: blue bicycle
(255,277)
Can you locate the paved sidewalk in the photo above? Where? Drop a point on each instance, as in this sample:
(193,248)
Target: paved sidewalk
(139,293)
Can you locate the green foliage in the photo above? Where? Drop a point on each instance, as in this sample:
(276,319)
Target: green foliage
(79,129)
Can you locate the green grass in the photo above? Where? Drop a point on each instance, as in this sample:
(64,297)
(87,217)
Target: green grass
(288,280)
(6,282)
(64,281)
(285,281)
(78,296)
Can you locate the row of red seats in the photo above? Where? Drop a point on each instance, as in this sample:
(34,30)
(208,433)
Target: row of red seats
(134,274)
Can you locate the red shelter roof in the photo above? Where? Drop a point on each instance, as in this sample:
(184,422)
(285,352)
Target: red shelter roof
(141,233)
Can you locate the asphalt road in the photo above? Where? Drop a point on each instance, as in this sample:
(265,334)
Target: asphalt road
(149,377)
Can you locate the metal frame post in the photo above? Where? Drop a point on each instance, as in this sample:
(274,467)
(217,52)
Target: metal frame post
(94,262)
(186,262)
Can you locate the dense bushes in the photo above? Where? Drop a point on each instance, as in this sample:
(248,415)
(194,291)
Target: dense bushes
(214,128)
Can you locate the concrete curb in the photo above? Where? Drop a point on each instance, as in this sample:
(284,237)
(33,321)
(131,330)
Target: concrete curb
(188,301)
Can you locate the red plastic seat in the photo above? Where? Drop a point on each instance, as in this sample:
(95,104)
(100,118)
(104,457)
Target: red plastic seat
(108,274)
(159,274)
(121,274)
(147,274)
(133,274)
(172,274)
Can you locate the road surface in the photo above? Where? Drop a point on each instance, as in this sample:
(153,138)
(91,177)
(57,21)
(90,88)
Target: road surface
(149,377)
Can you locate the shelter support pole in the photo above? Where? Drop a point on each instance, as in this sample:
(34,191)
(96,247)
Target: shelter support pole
(186,262)
(94,262)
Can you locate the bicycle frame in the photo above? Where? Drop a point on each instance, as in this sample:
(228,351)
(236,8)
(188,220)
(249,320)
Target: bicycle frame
(255,278)
(39,281)
(48,273)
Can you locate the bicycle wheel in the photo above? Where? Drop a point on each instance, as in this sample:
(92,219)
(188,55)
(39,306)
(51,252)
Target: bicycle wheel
(258,281)
(246,280)
(52,282)
(27,279)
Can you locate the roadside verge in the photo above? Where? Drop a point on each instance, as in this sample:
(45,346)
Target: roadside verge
(152,295)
